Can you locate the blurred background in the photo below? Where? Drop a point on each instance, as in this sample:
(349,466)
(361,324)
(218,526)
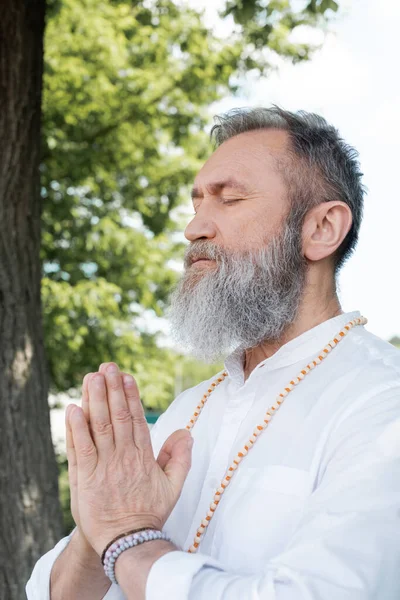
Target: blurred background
(129,92)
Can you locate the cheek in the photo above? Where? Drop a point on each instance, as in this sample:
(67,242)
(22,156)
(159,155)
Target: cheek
(249,230)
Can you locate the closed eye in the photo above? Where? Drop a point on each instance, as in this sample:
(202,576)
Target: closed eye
(232,201)
(226,202)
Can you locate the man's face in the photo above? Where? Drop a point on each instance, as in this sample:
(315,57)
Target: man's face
(242,217)
(249,287)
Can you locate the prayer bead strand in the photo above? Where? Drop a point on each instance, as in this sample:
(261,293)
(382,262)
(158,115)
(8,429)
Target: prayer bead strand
(262,426)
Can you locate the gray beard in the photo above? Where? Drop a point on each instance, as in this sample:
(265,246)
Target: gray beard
(240,301)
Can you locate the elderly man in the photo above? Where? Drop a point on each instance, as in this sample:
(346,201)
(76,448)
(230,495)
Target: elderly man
(291,489)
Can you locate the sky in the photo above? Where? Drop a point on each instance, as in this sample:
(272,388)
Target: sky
(354,82)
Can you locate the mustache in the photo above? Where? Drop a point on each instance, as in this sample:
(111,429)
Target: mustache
(203,250)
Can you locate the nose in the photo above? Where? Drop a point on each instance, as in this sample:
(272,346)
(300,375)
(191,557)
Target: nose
(200,228)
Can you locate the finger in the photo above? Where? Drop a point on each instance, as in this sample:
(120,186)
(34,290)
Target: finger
(141,431)
(71,454)
(86,454)
(85,396)
(121,417)
(100,420)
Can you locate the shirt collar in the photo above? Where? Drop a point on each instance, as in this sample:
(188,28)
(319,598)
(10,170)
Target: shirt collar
(290,353)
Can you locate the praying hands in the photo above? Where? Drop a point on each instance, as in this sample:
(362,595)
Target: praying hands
(116,483)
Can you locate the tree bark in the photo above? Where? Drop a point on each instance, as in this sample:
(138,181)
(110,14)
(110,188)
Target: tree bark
(30,514)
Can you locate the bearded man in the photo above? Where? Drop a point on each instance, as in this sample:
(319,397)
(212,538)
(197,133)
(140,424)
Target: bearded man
(291,490)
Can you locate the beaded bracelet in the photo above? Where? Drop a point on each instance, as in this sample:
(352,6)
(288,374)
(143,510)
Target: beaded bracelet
(128,541)
(118,537)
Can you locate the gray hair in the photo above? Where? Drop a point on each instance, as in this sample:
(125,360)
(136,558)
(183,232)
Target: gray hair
(322,167)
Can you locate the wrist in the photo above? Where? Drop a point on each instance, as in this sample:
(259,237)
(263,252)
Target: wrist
(78,572)
(134,564)
(83,550)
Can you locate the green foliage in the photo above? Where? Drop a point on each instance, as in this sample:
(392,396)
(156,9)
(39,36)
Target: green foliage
(191,372)
(127,86)
(268,25)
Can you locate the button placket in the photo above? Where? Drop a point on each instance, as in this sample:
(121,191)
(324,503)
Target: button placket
(234,415)
(232,418)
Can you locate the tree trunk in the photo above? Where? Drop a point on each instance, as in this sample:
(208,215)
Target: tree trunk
(30,515)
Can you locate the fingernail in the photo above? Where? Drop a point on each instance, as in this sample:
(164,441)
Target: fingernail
(112,369)
(190,442)
(128,380)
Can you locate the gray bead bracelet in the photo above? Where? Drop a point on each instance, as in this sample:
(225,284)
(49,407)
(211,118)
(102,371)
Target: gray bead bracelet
(128,541)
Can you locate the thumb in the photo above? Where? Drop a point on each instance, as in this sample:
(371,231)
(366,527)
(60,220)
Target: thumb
(178,465)
(166,450)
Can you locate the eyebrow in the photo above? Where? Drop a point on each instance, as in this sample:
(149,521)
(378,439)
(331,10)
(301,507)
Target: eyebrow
(216,187)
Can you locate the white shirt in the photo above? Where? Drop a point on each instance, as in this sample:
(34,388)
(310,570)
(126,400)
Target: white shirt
(313,511)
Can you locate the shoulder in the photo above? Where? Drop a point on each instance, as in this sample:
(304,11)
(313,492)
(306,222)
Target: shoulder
(367,416)
(372,367)
(377,349)
(374,347)
(363,407)
(370,364)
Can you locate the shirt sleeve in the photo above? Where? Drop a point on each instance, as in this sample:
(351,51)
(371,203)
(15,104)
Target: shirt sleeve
(38,586)
(347,544)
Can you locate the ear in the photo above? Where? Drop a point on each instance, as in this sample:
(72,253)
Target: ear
(325,227)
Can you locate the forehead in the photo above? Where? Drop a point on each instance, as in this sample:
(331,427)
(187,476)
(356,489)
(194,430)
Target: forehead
(251,157)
